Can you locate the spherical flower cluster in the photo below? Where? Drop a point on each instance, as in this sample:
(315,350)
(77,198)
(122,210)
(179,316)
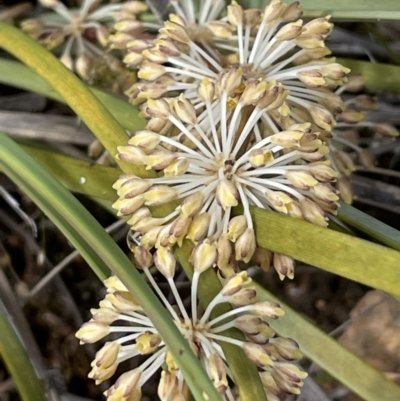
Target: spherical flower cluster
(272,355)
(84,32)
(241,115)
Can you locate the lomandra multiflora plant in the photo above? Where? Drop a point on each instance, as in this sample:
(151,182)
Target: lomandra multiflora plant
(240,111)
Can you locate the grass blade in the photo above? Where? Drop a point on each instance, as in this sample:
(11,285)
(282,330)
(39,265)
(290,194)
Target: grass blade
(85,233)
(14,355)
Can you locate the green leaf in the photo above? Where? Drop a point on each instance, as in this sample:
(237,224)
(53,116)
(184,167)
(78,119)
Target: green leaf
(16,359)
(342,254)
(327,353)
(343,9)
(369,225)
(19,75)
(377,76)
(100,251)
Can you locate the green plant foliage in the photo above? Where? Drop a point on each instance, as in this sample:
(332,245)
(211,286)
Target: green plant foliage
(15,357)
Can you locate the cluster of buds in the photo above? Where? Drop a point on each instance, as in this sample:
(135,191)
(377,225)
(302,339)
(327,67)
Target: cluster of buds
(84,32)
(351,122)
(231,121)
(273,355)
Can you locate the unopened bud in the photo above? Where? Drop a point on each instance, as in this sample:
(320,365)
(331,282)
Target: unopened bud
(165,262)
(245,245)
(90,332)
(204,256)
(284,266)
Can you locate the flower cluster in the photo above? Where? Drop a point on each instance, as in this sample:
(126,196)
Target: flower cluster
(84,32)
(346,137)
(241,113)
(272,355)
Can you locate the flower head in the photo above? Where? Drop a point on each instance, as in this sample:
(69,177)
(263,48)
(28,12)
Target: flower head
(273,355)
(240,115)
(83,32)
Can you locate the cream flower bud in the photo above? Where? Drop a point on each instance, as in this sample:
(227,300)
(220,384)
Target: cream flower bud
(245,245)
(113,283)
(288,377)
(125,388)
(312,78)
(54,39)
(142,256)
(67,60)
(280,201)
(134,7)
(84,65)
(131,154)
(235,283)
(90,332)
(227,194)
(164,238)
(319,26)
(32,27)
(271,310)
(206,90)
(352,116)
(325,191)
(147,343)
(165,262)
(345,189)
(149,239)
(292,12)
(139,215)
(220,29)
(287,139)
(272,11)
(131,187)
(253,92)
(160,194)
(262,258)
(204,256)
(287,348)
(322,172)
(175,31)
(344,162)
(128,206)
(301,179)
(191,205)
(180,226)
(224,250)
(244,297)
(184,110)
(119,40)
(145,139)
(177,167)
(123,301)
(105,363)
(257,354)
(167,385)
(230,80)
(236,227)
(290,31)
(198,226)
(260,157)
(284,266)
(235,14)
(150,71)
(386,130)
(159,159)
(217,372)
(309,41)
(49,3)
(104,315)
(322,117)
(167,47)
